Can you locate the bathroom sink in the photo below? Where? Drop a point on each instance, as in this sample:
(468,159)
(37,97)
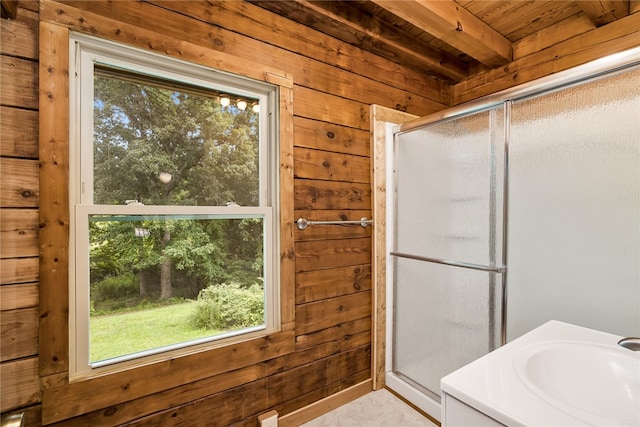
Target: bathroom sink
(592,382)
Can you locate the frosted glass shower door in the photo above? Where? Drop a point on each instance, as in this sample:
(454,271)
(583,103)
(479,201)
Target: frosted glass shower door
(574,208)
(448,179)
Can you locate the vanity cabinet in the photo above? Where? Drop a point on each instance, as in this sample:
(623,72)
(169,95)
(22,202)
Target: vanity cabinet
(458,414)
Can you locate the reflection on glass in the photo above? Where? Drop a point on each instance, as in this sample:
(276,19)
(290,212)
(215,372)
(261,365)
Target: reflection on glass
(172,145)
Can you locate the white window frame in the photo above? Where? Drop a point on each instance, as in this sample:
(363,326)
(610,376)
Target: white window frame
(85,52)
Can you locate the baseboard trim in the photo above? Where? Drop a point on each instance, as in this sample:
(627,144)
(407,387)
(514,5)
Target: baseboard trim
(325,405)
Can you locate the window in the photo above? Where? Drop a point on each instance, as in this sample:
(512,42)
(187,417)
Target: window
(173,175)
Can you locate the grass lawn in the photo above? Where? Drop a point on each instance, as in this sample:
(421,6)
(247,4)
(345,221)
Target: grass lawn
(126,333)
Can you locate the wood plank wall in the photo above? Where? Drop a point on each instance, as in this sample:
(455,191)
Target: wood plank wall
(334,85)
(19,213)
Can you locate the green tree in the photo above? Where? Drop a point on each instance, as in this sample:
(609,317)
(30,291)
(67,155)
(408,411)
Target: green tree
(164,145)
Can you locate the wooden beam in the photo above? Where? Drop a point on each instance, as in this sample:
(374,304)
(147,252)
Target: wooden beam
(456,26)
(346,22)
(616,37)
(9,9)
(54,199)
(602,12)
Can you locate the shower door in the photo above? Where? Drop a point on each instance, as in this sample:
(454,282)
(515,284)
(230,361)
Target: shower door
(574,207)
(447,253)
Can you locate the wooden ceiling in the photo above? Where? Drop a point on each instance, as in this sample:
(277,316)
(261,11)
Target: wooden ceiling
(452,40)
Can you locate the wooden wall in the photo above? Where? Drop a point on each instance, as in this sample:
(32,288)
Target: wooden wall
(19,213)
(334,85)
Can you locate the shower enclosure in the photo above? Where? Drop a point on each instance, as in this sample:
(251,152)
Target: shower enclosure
(540,183)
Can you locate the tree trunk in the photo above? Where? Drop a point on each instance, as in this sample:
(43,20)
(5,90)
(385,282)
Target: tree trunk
(165,270)
(142,280)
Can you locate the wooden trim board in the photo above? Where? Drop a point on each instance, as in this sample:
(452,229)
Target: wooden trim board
(325,405)
(380,116)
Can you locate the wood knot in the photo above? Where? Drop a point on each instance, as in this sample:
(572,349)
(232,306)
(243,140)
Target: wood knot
(331,135)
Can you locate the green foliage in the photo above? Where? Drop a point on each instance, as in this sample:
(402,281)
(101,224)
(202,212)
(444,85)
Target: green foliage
(229,306)
(143,128)
(114,292)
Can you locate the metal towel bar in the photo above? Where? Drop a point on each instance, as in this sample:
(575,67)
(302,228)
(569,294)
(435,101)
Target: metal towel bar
(303,223)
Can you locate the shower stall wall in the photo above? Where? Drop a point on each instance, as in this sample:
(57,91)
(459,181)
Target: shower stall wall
(542,182)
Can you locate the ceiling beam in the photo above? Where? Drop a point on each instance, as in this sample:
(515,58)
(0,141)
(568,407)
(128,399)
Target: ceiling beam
(347,23)
(453,24)
(605,11)
(9,9)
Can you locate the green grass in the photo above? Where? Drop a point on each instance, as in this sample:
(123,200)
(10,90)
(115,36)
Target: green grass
(126,333)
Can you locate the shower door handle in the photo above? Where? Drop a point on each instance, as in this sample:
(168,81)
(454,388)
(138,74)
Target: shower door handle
(451,263)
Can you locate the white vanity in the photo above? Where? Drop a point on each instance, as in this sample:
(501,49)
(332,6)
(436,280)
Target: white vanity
(556,375)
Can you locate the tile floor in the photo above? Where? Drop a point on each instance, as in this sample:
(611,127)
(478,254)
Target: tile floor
(376,409)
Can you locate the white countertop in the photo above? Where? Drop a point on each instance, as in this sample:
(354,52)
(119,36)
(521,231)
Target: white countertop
(494,383)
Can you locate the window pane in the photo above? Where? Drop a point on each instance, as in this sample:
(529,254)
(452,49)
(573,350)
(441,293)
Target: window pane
(170,144)
(158,281)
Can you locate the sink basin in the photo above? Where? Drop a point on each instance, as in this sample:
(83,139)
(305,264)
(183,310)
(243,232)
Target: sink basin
(592,382)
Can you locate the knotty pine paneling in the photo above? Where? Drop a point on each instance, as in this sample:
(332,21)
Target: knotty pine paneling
(20,386)
(329,137)
(143,381)
(322,49)
(19,382)
(24,295)
(329,166)
(314,194)
(19,82)
(196,390)
(322,75)
(19,37)
(325,284)
(19,130)
(324,254)
(245,401)
(19,337)
(319,315)
(554,34)
(330,108)
(20,186)
(359,333)
(18,233)
(18,270)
